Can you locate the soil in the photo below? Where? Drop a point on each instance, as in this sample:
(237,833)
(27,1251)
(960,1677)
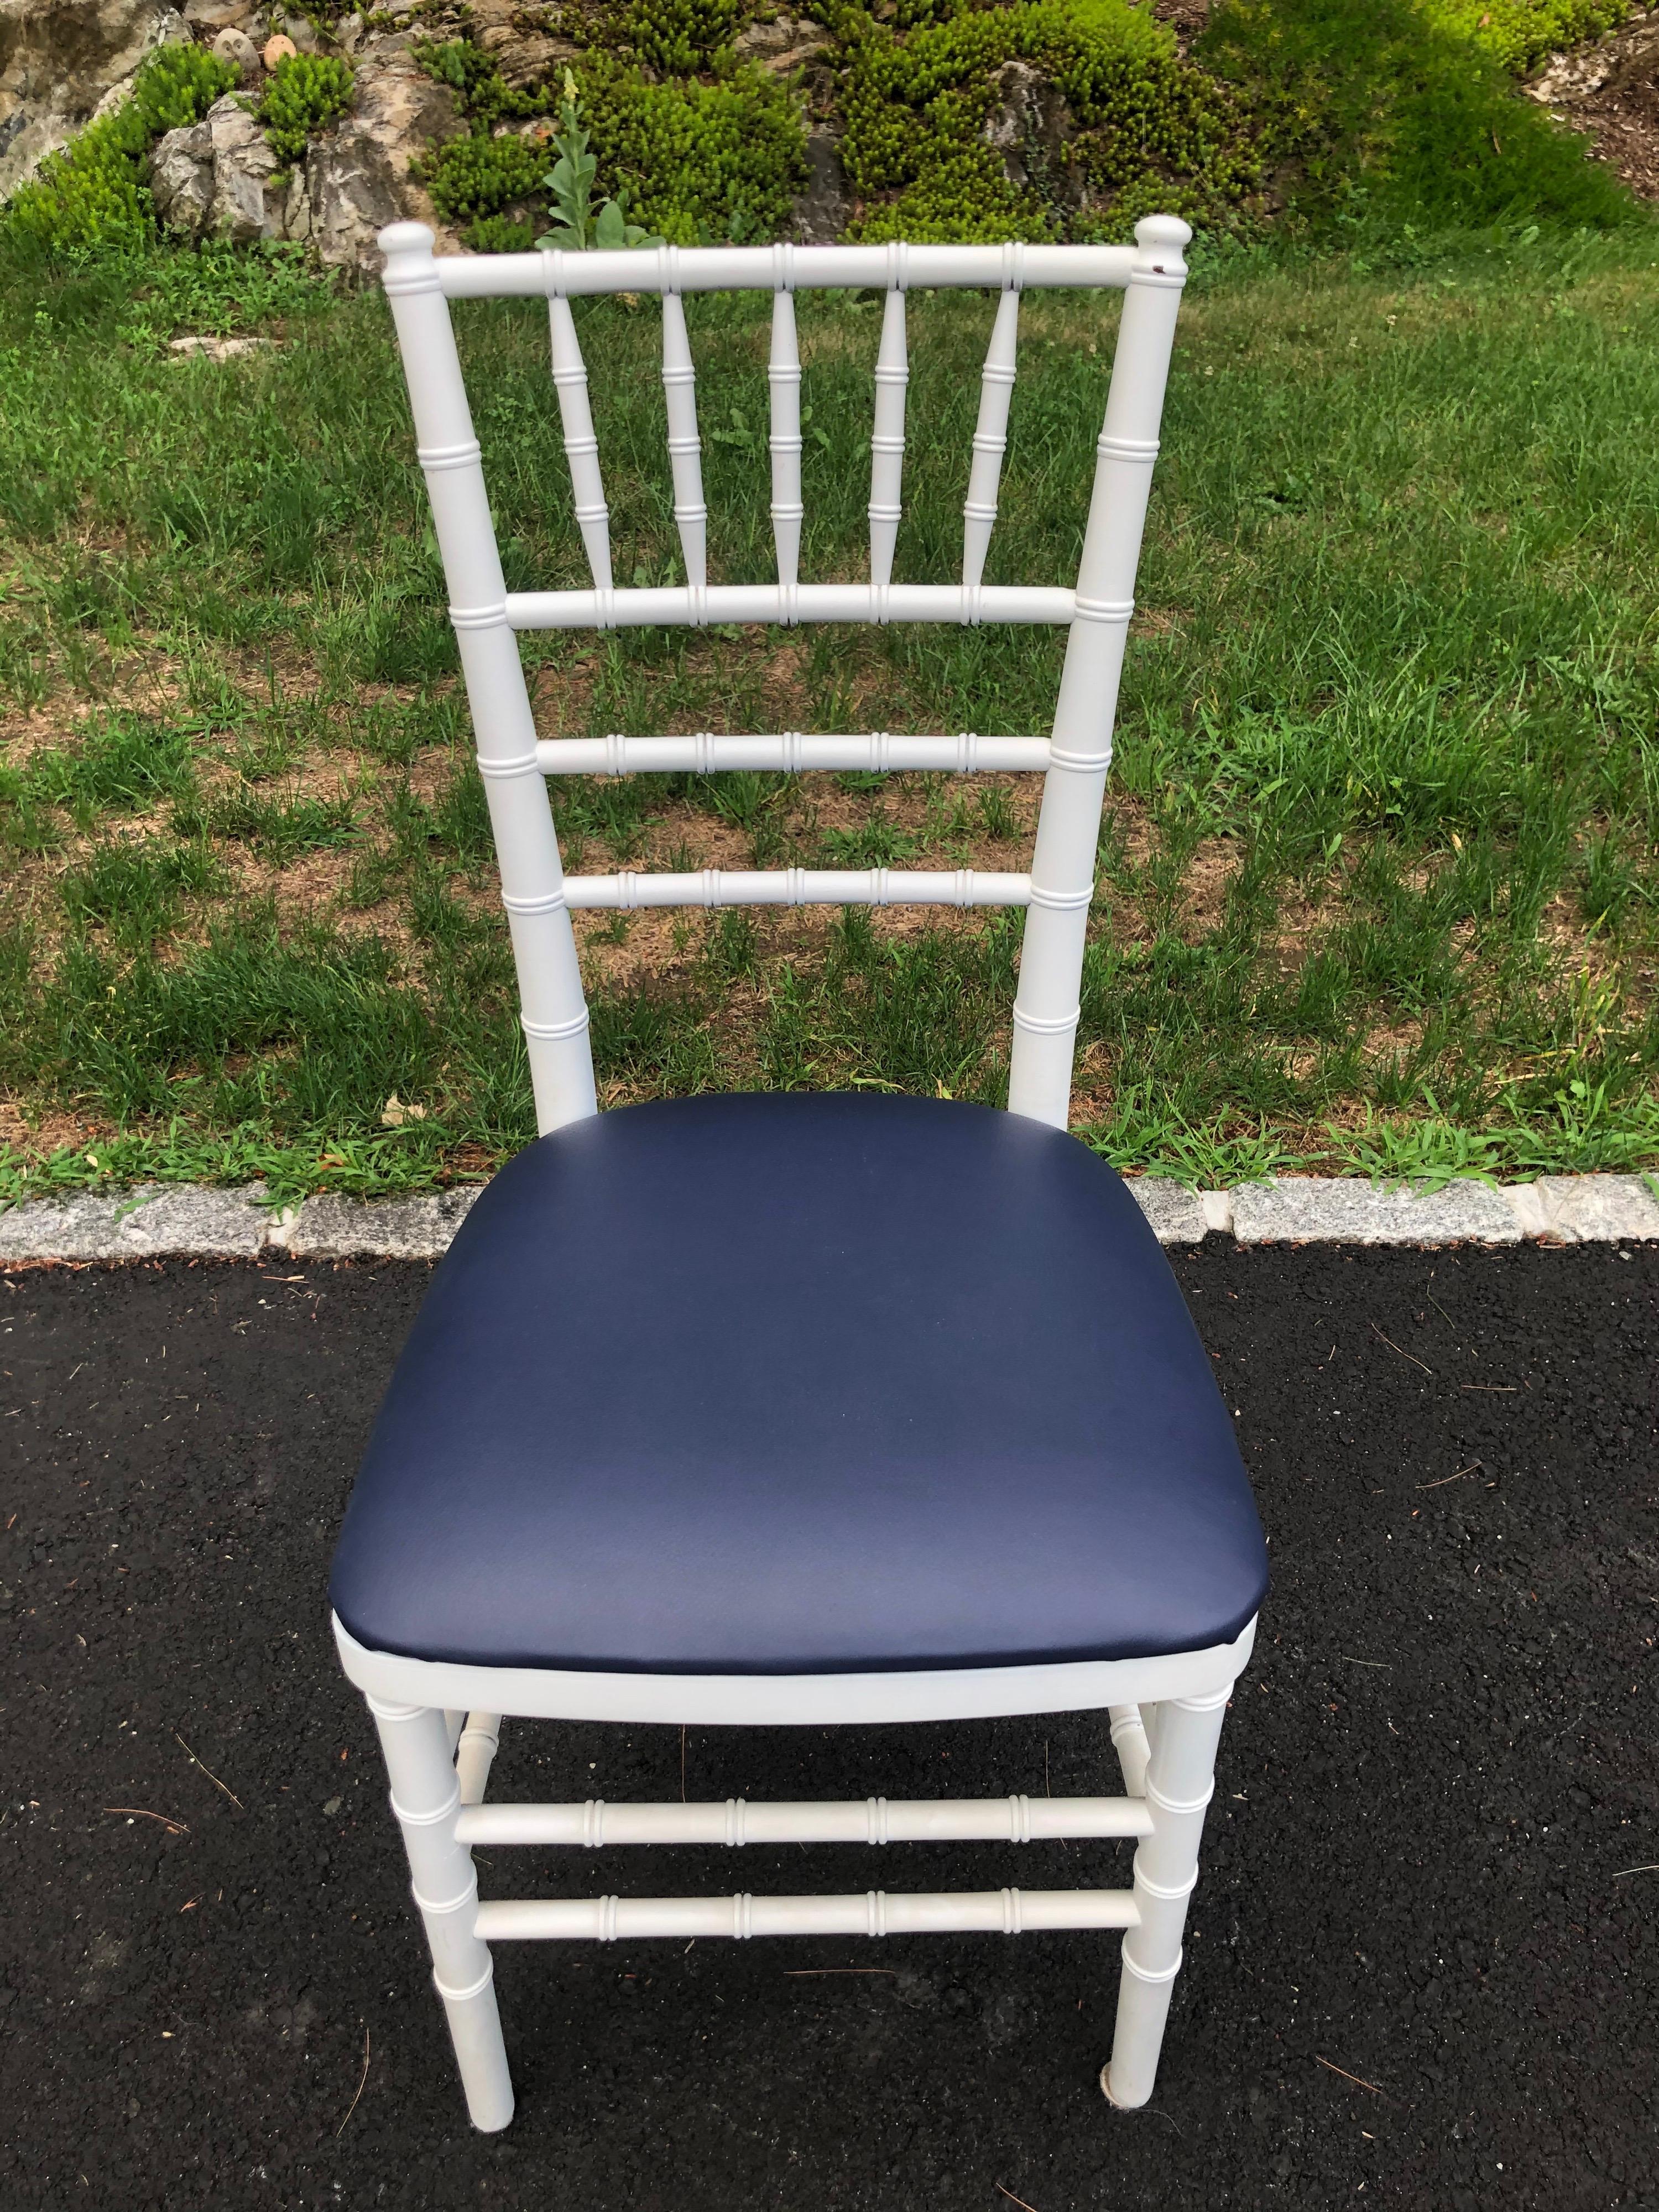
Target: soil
(1417,1969)
(1611,92)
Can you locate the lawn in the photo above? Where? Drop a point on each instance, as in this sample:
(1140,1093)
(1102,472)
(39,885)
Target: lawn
(1378,873)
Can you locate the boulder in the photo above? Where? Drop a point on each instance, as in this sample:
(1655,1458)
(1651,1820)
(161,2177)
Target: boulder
(213,179)
(218,177)
(181,178)
(60,61)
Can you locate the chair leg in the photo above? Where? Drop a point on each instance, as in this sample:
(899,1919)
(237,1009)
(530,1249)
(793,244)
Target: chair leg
(1130,1742)
(1179,1780)
(425,1797)
(474,1753)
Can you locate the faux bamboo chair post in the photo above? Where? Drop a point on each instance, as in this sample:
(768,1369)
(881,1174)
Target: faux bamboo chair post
(439,1714)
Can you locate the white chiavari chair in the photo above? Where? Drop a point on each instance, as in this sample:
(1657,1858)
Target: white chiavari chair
(801,1409)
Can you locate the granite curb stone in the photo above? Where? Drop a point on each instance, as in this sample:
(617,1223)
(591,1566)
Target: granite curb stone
(1330,1209)
(195,1221)
(334,1228)
(1594,1209)
(178,1220)
(1175,1213)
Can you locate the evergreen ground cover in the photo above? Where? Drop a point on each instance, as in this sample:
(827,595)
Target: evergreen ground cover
(1378,874)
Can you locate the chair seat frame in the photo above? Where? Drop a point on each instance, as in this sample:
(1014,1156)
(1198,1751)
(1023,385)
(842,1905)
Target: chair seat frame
(440,1722)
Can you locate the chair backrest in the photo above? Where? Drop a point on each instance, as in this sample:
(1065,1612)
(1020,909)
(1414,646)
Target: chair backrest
(538,896)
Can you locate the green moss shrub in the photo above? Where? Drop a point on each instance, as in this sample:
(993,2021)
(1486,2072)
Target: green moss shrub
(697,159)
(95,192)
(477,177)
(1149,127)
(482,93)
(1374,113)
(305,92)
(681,37)
(1519,32)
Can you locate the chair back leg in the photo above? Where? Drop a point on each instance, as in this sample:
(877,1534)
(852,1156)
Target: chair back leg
(1180,1777)
(426,1797)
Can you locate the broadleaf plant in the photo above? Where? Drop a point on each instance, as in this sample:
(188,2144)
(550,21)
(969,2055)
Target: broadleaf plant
(579,227)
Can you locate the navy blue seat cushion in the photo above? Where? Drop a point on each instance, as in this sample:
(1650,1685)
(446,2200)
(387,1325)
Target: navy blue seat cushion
(781,1384)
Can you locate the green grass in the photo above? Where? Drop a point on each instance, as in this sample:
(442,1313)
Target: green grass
(1379,870)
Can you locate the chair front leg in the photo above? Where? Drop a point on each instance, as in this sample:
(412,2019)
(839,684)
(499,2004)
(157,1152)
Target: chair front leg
(1180,1777)
(426,1797)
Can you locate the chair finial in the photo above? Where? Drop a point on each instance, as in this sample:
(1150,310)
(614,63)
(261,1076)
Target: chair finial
(1160,238)
(409,265)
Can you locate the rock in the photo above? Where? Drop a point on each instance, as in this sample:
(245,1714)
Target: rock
(785,43)
(212,179)
(215,176)
(141,1223)
(1599,1208)
(1029,126)
(526,52)
(819,214)
(60,60)
(243,165)
(356,174)
(277,49)
(217,348)
(302,32)
(1316,1209)
(236,47)
(218,14)
(333,1228)
(181,178)
(1176,1213)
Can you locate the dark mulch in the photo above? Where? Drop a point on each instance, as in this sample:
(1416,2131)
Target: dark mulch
(1434,1774)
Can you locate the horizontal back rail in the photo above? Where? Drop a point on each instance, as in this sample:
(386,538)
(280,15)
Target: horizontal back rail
(791,752)
(714,887)
(552,274)
(875,1821)
(870,1912)
(694,606)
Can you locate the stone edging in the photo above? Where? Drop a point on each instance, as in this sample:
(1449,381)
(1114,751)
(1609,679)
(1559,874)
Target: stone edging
(192,1221)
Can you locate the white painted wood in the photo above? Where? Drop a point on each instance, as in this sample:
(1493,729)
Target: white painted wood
(763,269)
(673,604)
(622,1919)
(950,1693)
(887,440)
(425,1801)
(714,887)
(475,1753)
(737,1822)
(1046,1006)
(581,445)
(1132,1747)
(791,752)
(1180,1781)
(783,380)
(679,384)
(440,1720)
(990,437)
(554,1010)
